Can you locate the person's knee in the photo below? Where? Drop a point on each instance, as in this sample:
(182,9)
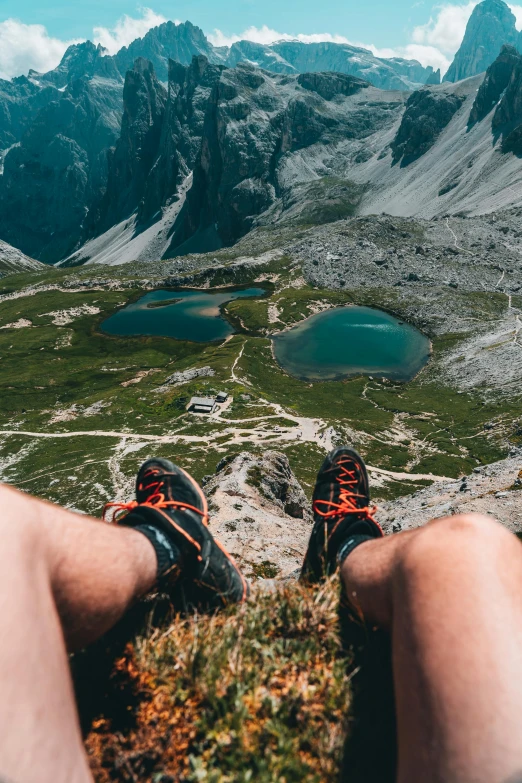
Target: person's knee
(19,528)
(469,536)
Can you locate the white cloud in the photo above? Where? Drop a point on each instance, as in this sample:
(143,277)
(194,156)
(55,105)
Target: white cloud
(25,46)
(517,10)
(446,30)
(127,29)
(266,35)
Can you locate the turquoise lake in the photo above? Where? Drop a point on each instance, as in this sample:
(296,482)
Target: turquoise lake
(183,315)
(350,341)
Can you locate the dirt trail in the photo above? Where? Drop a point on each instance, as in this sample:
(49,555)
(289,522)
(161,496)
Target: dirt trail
(312,430)
(455,239)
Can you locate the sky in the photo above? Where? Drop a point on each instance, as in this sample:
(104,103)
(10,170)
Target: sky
(35,33)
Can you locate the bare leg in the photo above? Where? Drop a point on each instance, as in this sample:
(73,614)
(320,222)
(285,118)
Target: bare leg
(64,581)
(450,594)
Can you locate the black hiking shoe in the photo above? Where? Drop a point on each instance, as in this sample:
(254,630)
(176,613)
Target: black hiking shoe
(170,504)
(342,514)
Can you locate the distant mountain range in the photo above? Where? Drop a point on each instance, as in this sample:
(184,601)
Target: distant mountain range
(174,146)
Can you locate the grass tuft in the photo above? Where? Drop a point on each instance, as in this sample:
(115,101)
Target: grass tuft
(257,693)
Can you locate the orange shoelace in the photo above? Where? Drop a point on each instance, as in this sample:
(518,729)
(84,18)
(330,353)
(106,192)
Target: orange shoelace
(155,500)
(347,497)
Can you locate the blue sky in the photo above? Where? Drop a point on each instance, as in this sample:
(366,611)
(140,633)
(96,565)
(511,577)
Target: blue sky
(35,33)
(381,21)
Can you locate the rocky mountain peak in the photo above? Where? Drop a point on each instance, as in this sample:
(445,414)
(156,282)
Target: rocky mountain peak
(79,61)
(434,78)
(495,82)
(168,41)
(144,102)
(491,25)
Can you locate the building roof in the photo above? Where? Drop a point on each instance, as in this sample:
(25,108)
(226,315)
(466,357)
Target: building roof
(202,401)
(222,394)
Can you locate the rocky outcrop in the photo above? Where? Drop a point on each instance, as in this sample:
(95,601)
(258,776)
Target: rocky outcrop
(260,512)
(507,120)
(491,489)
(189,93)
(495,82)
(144,102)
(185,376)
(491,25)
(427,113)
(328,85)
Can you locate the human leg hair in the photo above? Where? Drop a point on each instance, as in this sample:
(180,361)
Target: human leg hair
(450,596)
(64,580)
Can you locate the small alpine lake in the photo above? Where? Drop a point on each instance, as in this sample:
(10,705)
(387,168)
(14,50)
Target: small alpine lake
(193,315)
(333,345)
(348,341)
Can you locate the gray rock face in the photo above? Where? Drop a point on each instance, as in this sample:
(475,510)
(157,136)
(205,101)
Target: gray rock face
(144,101)
(260,511)
(189,93)
(428,112)
(255,121)
(59,169)
(497,78)
(159,142)
(507,120)
(167,42)
(491,25)
(20,101)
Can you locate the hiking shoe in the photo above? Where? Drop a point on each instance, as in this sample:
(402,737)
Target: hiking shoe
(171,509)
(342,514)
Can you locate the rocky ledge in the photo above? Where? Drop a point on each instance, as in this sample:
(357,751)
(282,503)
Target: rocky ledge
(260,511)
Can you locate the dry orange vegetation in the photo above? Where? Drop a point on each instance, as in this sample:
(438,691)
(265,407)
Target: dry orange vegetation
(257,693)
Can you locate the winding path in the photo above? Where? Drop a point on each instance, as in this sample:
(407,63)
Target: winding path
(283,435)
